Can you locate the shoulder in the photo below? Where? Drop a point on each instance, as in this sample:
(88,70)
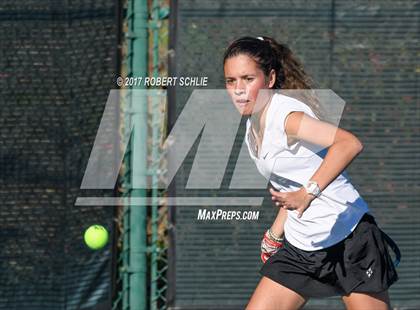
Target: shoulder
(284,105)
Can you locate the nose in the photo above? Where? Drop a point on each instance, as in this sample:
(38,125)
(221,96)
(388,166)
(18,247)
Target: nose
(239,89)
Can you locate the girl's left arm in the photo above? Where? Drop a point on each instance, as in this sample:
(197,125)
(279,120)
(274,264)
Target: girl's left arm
(342,146)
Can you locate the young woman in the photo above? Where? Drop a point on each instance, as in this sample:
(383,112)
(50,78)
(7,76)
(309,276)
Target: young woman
(332,245)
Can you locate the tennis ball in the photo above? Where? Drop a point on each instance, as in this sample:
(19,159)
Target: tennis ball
(96,236)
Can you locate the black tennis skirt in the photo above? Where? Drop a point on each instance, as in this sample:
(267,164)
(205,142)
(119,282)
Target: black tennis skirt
(359,263)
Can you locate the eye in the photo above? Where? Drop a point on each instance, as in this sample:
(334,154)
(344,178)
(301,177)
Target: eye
(228,81)
(250,79)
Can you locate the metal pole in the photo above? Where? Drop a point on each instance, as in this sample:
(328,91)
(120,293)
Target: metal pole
(155,134)
(138,25)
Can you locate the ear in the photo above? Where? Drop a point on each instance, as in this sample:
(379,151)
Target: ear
(272,78)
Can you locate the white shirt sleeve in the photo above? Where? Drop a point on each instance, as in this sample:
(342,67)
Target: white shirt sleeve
(285,108)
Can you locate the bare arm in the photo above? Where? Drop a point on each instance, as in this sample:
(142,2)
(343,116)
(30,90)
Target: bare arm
(278,225)
(343,148)
(343,145)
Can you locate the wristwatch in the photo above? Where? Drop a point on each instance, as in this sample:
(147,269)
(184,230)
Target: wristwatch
(312,187)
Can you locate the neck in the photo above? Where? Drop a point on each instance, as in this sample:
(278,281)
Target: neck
(256,117)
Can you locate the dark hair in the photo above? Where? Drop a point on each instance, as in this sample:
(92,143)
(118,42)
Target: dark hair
(269,54)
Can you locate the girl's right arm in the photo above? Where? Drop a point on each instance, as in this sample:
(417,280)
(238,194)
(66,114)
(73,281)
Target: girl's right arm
(268,245)
(278,225)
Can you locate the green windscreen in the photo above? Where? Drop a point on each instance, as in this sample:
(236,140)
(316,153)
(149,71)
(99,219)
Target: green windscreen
(367,53)
(58,61)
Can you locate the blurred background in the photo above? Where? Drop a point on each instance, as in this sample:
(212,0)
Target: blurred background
(59,59)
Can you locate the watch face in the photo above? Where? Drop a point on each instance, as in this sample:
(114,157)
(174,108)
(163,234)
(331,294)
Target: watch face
(312,189)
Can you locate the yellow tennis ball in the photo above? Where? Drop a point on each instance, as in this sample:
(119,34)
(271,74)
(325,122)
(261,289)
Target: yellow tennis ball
(96,237)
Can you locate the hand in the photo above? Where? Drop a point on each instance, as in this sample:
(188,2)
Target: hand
(298,200)
(269,247)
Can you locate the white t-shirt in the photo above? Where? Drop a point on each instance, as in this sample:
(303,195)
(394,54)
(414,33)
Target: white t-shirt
(329,218)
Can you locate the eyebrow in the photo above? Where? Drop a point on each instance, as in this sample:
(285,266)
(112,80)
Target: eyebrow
(242,76)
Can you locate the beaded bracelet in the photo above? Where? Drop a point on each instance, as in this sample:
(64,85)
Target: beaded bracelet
(272,237)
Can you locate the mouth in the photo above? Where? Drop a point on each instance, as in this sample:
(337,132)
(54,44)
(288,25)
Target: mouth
(242,102)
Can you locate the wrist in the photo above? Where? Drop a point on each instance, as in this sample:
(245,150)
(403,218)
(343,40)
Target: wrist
(275,236)
(312,189)
(309,196)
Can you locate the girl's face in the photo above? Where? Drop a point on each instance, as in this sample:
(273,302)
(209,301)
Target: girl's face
(244,79)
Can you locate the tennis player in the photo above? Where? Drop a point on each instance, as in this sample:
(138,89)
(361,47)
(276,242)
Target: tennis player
(324,241)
